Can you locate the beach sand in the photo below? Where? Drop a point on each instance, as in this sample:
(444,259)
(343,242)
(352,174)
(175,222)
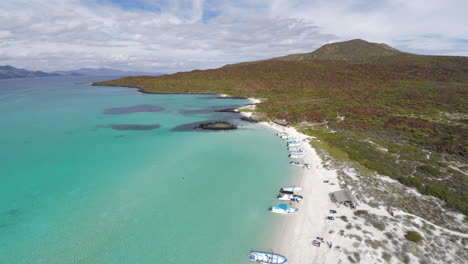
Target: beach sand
(296,233)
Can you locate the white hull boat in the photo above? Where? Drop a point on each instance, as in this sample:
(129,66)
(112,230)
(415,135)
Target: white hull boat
(282,134)
(293,141)
(268,258)
(290,197)
(300,164)
(291,189)
(296,156)
(283,209)
(294,144)
(296,151)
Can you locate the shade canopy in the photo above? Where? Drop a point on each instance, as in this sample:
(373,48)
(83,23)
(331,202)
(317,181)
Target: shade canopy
(342,196)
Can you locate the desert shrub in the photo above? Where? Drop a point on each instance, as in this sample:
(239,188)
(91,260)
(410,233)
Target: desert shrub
(406,259)
(360,212)
(388,235)
(413,236)
(410,181)
(443,192)
(429,170)
(356,256)
(378,225)
(386,256)
(344,218)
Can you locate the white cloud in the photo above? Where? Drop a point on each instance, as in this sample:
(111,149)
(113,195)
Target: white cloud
(174,35)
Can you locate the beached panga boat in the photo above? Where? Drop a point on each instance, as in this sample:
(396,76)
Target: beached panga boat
(269,258)
(297,151)
(294,144)
(282,134)
(296,156)
(291,189)
(283,209)
(300,164)
(293,141)
(290,197)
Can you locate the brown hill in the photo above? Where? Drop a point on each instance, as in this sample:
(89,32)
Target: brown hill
(356,50)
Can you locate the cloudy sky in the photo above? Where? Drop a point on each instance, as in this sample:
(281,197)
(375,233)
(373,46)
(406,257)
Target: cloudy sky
(180,35)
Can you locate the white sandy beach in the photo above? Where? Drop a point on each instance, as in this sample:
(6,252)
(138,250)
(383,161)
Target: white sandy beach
(296,233)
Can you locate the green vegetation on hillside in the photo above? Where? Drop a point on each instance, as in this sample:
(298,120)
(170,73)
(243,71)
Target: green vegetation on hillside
(402,115)
(413,236)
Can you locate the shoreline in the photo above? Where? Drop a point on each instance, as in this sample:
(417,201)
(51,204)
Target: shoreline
(294,233)
(141,90)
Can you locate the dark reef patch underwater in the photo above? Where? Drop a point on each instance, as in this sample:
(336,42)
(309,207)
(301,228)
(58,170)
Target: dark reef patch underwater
(133,109)
(134,127)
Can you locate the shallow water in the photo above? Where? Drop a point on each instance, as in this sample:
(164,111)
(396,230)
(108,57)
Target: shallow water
(99,175)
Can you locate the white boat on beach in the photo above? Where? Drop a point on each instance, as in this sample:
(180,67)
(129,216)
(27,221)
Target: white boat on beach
(282,134)
(288,138)
(293,141)
(268,258)
(290,197)
(291,189)
(283,209)
(296,156)
(294,144)
(300,164)
(296,151)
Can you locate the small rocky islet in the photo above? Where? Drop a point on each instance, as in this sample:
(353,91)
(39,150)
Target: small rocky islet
(217,125)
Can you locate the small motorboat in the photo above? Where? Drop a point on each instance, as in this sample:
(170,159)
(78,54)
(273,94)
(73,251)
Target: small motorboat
(283,209)
(296,156)
(296,151)
(294,144)
(293,141)
(300,164)
(290,197)
(291,189)
(268,258)
(282,134)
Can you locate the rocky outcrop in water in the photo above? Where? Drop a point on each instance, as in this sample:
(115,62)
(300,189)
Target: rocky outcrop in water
(217,126)
(249,119)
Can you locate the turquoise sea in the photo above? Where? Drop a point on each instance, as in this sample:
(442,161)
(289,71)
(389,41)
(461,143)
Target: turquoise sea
(102,175)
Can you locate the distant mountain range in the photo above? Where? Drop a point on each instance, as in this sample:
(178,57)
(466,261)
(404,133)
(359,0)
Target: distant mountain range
(105,72)
(9,72)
